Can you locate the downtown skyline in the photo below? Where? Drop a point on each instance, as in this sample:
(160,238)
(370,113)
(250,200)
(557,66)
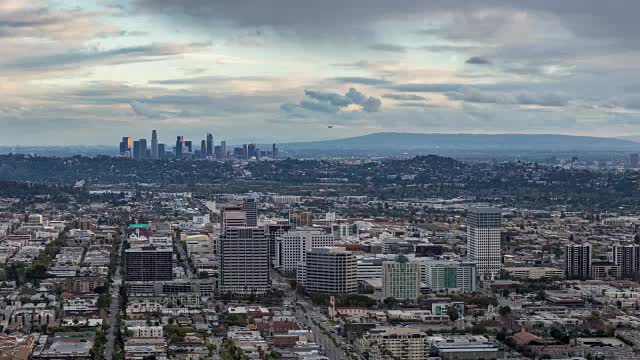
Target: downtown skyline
(83,72)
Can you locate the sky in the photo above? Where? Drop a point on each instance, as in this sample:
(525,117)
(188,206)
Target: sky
(92,71)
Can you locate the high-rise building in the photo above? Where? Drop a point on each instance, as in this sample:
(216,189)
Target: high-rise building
(154,144)
(250,207)
(483,241)
(137,150)
(244,261)
(401,279)
(188,144)
(144,149)
(251,151)
(449,275)
(209,144)
(217,152)
(273,231)
(634,161)
(300,218)
(149,263)
(329,270)
(162,151)
(577,261)
(203,148)
(126,146)
(274,151)
(627,257)
(292,246)
(179,146)
(223,148)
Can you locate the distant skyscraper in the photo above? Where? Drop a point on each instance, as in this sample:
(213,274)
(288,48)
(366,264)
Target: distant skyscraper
(223,148)
(189,146)
(483,241)
(577,261)
(144,150)
(179,146)
(162,151)
(154,144)
(203,148)
(126,146)
(251,151)
(634,161)
(209,144)
(274,151)
(217,152)
(136,150)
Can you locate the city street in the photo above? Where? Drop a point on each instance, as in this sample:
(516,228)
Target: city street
(114,309)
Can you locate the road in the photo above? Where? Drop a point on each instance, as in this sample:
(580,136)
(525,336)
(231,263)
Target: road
(114,309)
(182,256)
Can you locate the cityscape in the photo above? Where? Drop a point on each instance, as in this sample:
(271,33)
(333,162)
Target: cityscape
(183,149)
(327,180)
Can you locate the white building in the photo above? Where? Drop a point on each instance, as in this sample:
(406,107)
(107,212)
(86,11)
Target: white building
(394,343)
(330,270)
(401,279)
(483,241)
(291,247)
(448,275)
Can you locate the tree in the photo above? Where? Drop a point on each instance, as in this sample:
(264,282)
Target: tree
(453,312)
(504,310)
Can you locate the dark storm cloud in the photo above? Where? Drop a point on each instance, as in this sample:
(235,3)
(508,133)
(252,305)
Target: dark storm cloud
(477,60)
(615,19)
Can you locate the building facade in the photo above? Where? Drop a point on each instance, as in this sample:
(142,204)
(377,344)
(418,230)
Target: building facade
(483,241)
(329,270)
(401,279)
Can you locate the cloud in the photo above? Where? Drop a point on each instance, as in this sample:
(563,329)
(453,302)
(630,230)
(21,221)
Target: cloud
(404,97)
(388,48)
(361,80)
(477,60)
(115,56)
(472,95)
(330,102)
(435,88)
(145,110)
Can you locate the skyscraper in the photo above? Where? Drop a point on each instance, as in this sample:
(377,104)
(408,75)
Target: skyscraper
(179,146)
(244,254)
(577,261)
(136,150)
(251,151)
(209,144)
(483,241)
(223,148)
(628,259)
(634,161)
(162,151)
(188,146)
(126,146)
(154,144)
(274,151)
(144,150)
(203,148)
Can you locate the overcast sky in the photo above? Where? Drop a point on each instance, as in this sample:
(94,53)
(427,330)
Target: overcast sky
(90,72)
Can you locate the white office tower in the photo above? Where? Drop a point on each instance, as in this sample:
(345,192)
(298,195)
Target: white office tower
(291,247)
(244,261)
(401,279)
(330,270)
(483,241)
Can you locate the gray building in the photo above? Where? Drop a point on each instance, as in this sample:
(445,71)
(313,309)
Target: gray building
(329,270)
(483,241)
(244,260)
(149,263)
